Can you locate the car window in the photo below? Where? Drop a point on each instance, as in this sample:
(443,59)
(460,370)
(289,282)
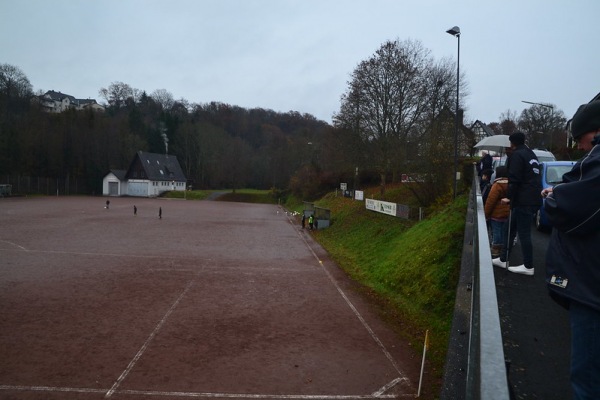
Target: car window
(555,172)
(499,162)
(543,155)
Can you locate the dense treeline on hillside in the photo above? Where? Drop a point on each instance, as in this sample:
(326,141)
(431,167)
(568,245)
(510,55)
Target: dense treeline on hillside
(394,120)
(218,145)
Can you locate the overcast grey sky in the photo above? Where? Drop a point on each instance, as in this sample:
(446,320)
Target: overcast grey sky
(298,54)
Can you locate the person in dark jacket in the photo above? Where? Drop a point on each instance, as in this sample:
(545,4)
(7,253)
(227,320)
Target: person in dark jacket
(485,169)
(523,195)
(573,255)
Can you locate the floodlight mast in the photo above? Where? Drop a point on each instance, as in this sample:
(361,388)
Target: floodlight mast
(550,106)
(455,31)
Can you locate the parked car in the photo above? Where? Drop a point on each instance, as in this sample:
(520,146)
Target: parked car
(552,172)
(542,156)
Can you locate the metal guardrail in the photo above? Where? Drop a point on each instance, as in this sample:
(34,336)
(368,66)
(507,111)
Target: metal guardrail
(475,365)
(487,374)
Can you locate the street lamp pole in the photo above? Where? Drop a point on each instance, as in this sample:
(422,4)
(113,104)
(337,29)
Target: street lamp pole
(455,31)
(551,107)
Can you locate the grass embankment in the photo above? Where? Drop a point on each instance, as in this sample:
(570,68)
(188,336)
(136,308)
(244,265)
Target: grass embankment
(240,195)
(250,196)
(411,268)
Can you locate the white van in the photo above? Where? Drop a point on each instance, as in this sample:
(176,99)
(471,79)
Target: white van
(542,156)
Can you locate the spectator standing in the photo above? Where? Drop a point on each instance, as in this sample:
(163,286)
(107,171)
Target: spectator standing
(573,256)
(496,212)
(484,167)
(523,196)
(485,185)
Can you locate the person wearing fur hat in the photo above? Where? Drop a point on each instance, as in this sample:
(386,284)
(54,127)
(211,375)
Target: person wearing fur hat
(573,255)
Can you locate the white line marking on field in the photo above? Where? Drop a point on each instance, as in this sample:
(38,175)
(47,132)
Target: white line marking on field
(79,253)
(50,389)
(258,396)
(14,244)
(82,253)
(387,387)
(359,316)
(172,270)
(147,342)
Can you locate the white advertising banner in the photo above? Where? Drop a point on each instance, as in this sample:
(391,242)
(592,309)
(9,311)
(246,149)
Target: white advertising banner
(383,207)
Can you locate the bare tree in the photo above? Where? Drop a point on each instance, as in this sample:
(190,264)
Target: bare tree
(542,123)
(164,98)
(118,94)
(392,100)
(13,82)
(508,122)
(386,99)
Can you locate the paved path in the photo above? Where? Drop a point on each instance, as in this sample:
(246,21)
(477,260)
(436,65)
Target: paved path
(535,330)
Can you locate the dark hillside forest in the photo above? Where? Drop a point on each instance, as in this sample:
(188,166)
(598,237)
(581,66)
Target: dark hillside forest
(218,145)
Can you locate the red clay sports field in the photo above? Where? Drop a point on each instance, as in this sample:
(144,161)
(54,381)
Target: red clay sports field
(214,300)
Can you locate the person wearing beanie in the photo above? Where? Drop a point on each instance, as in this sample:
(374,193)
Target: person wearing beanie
(523,196)
(573,255)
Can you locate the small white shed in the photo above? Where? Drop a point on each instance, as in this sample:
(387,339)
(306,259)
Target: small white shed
(114,183)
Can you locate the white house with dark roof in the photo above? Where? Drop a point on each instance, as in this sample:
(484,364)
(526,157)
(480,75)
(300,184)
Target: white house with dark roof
(57,102)
(149,175)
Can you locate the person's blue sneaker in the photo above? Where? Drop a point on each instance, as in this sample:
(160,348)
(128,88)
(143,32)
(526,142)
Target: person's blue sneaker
(520,269)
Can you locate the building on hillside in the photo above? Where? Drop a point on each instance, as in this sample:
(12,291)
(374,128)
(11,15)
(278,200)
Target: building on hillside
(481,131)
(57,102)
(149,175)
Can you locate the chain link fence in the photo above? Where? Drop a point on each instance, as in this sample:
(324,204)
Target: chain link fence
(29,185)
